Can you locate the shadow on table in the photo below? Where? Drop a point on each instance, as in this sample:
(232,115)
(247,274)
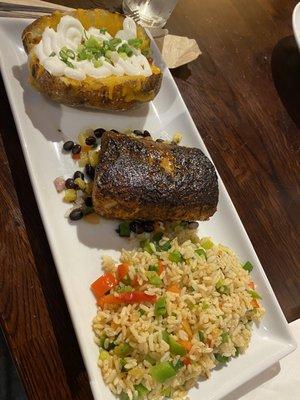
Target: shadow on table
(285,64)
(56,306)
(10,384)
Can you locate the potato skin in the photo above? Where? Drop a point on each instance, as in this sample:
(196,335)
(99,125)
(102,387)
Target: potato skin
(111,93)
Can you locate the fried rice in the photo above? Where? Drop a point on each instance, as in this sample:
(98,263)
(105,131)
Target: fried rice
(205,304)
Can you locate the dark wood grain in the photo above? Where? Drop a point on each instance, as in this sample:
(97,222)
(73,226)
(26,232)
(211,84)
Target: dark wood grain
(243,94)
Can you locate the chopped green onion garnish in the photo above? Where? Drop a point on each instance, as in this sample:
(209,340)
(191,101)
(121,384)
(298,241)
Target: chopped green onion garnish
(153,278)
(124,396)
(124,289)
(248,266)
(160,307)
(221,359)
(97,63)
(146,246)
(222,288)
(66,53)
(167,392)
(157,236)
(153,268)
(135,42)
(254,294)
(201,253)
(179,364)
(162,371)
(166,246)
(237,352)
(123,350)
(142,390)
(141,311)
(176,257)
(150,359)
(225,337)
(92,43)
(146,52)
(68,63)
(101,341)
(103,355)
(124,229)
(113,43)
(206,243)
(103,30)
(201,336)
(205,305)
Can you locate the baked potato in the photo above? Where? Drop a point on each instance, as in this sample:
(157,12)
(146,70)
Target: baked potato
(107,93)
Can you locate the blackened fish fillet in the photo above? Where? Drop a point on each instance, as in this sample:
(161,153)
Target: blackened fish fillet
(142,179)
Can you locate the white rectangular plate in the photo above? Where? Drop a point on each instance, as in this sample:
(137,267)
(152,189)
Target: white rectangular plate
(77,247)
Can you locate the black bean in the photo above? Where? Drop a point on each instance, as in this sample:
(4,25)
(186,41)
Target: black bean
(136,226)
(68,146)
(88,201)
(193,225)
(99,132)
(70,184)
(76,149)
(146,133)
(76,214)
(78,174)
(90,141)
(114,130)
(138,133)
(159,140)
(90,171)
(148,226)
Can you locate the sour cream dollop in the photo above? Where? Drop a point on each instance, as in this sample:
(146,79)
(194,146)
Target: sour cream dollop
(70,34)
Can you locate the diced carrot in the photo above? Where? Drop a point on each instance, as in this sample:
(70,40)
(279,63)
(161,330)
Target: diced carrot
(251,285)
(254,303)
(160,267)
(76,156)
(186,344)
(174,288)
(85,148)
(187,328)
(103,284)
(123,271)
(186,361)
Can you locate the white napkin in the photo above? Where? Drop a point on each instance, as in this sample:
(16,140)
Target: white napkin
(279,382)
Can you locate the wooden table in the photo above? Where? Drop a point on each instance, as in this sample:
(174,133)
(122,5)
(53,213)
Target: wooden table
(243,94)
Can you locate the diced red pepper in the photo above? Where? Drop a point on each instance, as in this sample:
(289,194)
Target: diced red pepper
(123,271)
(127,298)
(186,361)
(103,284)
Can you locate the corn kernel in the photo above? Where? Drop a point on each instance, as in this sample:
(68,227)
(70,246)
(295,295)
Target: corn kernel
(94,156)
(70,195)
(82,136)
(88,188)
(84,159)
(80,182)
